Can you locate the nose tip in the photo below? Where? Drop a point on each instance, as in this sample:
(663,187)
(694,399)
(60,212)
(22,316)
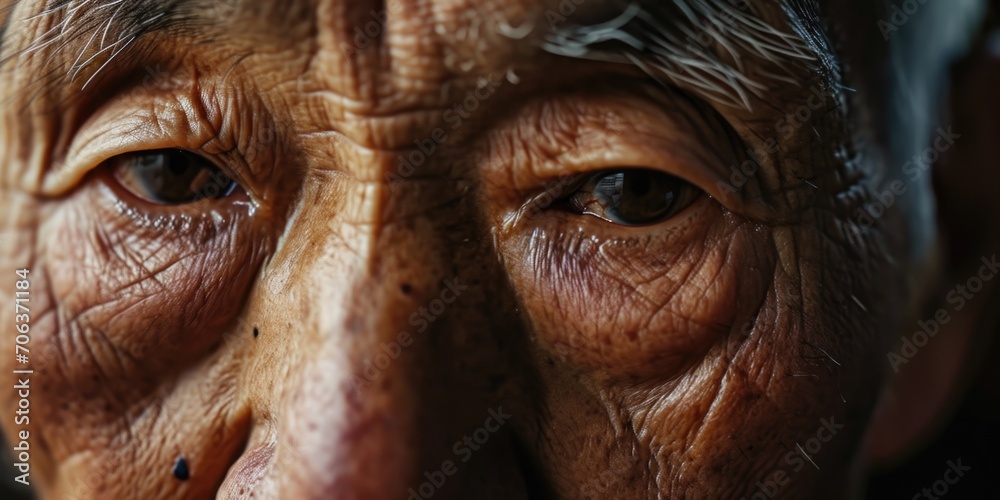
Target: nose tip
(350,418)
(388,364)
(350,447)
(388,394)
(379,409)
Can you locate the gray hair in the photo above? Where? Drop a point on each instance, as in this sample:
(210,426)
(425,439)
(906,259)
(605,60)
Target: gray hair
(701,47)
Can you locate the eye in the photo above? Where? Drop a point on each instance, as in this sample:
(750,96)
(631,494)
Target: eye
(633,197)
(170,176)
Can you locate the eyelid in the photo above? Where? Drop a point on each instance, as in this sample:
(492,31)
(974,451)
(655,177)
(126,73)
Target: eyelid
(617,130)
(128,127)
(621,151)
(128,178)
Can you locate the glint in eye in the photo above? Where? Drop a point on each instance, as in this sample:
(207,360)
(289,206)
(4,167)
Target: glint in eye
(170,176)
(632,197)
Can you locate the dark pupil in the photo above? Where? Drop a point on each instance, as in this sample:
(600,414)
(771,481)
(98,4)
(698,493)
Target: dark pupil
(174,176)
(638,197)
(638,183)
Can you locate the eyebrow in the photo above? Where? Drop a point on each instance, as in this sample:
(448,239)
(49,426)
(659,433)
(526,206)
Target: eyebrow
(696,44)
(105,28)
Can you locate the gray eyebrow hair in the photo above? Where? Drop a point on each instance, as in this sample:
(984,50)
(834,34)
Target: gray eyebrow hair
(107,28)
(688,43)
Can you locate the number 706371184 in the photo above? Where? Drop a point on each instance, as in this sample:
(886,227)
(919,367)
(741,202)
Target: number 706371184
(22,315)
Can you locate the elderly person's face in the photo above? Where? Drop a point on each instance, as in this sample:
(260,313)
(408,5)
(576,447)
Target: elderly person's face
(505,249)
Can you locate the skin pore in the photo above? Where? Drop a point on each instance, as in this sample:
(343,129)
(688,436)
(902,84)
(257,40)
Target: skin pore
(397,270)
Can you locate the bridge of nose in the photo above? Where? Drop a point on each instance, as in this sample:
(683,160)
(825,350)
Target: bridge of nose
(374,308)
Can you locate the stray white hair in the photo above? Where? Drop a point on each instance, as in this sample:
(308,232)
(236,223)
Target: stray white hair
(701,46)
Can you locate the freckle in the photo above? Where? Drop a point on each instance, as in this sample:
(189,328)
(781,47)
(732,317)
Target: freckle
(406,288)
(255,332)
(181,469)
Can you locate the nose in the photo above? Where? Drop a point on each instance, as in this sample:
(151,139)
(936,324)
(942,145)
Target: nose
(388,381)
(351,414)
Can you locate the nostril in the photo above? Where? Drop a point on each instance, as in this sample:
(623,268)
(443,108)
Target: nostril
(245,469)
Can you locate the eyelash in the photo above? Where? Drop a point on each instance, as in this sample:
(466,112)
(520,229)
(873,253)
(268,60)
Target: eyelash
(556,194)
(137,171)
(194,222)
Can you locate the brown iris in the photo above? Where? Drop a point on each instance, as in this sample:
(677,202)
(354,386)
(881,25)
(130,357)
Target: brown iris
(170,176)
(633,197)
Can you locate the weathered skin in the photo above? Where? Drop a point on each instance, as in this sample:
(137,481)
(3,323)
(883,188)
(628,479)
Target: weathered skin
(686,359)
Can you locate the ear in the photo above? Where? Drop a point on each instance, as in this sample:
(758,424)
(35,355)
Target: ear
(943,352)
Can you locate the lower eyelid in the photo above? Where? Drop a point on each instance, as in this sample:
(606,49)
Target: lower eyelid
(180,220)
(131,257)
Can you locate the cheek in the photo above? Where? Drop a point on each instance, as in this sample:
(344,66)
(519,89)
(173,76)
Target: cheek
(139,292)
(639,308)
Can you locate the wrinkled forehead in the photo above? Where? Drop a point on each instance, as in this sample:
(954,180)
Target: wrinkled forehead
(386,51)
(714,46)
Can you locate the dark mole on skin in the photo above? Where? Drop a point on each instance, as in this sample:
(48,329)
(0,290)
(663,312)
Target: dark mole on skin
(255,332)
(181,469)
(406,288)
